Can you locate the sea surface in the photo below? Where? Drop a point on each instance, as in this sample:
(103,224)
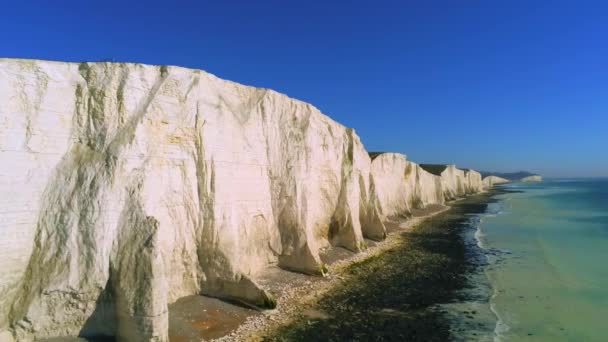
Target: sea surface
(545,275)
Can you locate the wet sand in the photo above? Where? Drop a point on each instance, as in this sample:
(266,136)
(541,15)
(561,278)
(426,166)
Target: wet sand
(195,318)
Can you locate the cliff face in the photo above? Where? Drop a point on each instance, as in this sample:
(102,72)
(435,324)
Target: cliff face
(128,186)
(473,182)
(455,182)
(535,178)
(519,176)
(490,181)
(401,185)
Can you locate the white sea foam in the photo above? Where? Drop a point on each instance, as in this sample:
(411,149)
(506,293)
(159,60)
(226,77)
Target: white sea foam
(501,327)
(493,210)
(479,237)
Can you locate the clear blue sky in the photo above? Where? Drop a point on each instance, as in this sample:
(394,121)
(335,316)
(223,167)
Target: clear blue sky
(498,85)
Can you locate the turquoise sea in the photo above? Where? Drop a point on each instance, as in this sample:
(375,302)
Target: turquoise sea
(546,275)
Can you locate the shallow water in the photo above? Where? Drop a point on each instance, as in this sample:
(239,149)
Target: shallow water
(547,249)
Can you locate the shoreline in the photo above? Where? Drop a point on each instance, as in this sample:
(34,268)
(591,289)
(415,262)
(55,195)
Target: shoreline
(541,292)
(499,327)
(300,296)
(480,291)
(300,302)
(491,258)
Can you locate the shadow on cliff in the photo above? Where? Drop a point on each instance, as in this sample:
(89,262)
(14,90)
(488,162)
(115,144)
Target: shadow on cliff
(101,324)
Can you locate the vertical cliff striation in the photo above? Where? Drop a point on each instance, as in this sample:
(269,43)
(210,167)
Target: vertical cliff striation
(455,183)
(128,186)
(473,181)
(401,185)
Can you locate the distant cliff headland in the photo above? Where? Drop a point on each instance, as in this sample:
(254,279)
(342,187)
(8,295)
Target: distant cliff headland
(521,176)
(128,186)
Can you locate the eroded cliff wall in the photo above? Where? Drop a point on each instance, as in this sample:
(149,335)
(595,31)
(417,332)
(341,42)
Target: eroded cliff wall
(473,181)
(458,183)
(534,178)
(126,186)
(490,181)
(401,185)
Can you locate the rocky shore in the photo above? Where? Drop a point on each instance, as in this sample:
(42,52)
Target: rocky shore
(390,292)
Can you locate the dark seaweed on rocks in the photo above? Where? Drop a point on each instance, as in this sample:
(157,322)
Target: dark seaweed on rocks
(394,296)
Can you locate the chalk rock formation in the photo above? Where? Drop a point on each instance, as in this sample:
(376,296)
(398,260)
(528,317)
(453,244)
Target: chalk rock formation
(401,185)
(490,181)
(519,176)
(535,178)
(473,182)
(455,182)
(127,186)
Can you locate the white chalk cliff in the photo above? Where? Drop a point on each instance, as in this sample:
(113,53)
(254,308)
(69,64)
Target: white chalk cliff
(490,181)
(127,186)
(401,185)
(534,178)
(455,182)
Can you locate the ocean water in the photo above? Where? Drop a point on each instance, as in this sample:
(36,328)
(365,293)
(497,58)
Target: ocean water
(546,270)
